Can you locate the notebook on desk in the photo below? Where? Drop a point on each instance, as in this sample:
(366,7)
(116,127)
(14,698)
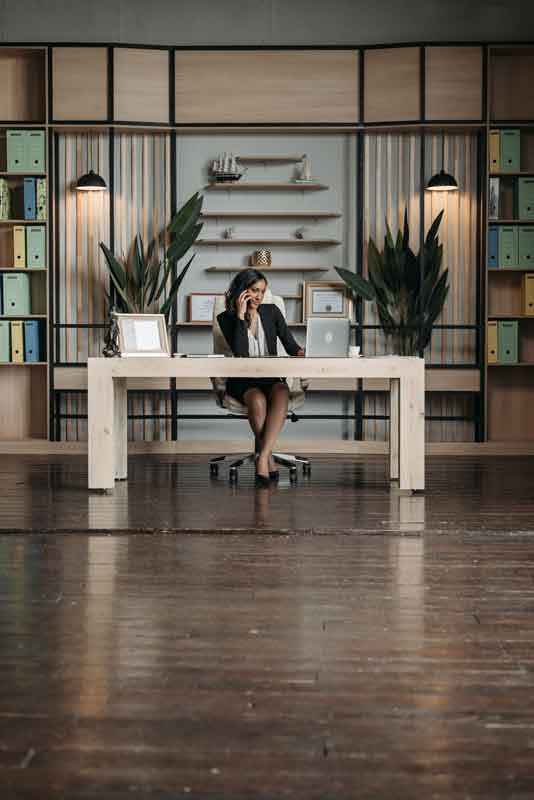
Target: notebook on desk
(327,338)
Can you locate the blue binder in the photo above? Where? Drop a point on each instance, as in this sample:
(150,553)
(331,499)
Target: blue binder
(32,340)
(30,208)
(493,246)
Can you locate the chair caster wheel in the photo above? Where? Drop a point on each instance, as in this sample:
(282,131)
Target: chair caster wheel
(214,470)
(233,475)
(293,474)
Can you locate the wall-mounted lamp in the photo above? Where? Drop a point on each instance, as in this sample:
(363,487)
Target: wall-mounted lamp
(442,181)
(91,182)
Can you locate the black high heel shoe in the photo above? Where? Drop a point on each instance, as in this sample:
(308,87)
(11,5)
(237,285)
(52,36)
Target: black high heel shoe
(274,475)
(261,481)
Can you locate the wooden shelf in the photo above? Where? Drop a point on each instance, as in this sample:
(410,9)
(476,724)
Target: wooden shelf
(280,242)
(23,174)
(268,270)
(270,215)
(27,270)
(516,364)
(510,221)
(265,186)
(269,159)
(511,316)
(22,316)
(510,174)
(23,363)
(511,269)
(194,324)
(22,222)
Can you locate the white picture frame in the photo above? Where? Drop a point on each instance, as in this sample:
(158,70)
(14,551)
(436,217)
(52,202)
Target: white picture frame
(200,306)
(326,299)
(142,335)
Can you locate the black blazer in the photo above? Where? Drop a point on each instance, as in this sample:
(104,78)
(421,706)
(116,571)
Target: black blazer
(274,325)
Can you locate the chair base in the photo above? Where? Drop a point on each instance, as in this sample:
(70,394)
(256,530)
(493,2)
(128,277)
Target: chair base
(284,459)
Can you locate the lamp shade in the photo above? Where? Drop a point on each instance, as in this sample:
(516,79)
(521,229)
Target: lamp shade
(91,182)
(442,182)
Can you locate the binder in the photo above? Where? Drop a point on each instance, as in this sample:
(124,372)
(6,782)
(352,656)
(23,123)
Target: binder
(525,198)
(493,246)
(508,246)
(19,246)
(510,151)
(41,199)
(526,247)
(528,294)
(493,199)
(507,341)
(5,200)
(17,342)
(35,246)
(491,341)
(35,151)
(5,343)
(32,340)
(495,151)
(16,151)
(29,198)
(16,294)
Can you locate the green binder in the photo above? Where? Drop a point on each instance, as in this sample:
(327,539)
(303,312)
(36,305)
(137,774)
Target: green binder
(5,349)
(16,151)
(507,341)
(508,246)
(526,247)
(35,246)
(41,199)
(525,198)
(35,151)
(510,151)
(16,294)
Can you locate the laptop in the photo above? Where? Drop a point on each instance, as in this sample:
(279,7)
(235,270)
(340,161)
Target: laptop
(327,338)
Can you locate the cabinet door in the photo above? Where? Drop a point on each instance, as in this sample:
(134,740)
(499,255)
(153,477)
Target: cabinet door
(392,80)
(80,83)
(141,85)
(453,85)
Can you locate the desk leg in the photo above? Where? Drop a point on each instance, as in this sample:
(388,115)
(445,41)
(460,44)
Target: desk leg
(120,429)
(412,430)
(100,412)
(394,429)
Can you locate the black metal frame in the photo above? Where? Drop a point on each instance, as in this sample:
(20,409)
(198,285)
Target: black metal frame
(359,128)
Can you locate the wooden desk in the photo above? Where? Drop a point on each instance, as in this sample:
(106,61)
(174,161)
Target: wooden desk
(107,407)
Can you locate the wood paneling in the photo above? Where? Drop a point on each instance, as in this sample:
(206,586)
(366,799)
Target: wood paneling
(510,403)
(22,85)
(392,78)
(511,77)
(80,83)
(453,83)
(269,86)
(141,85)
(24,406)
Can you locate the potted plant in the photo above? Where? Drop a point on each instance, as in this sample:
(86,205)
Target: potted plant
(141,282)
(408,289)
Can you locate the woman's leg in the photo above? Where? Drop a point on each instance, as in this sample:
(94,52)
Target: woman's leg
(274,422)
(256,404)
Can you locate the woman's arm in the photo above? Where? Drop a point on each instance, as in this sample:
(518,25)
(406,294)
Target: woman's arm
(235,332)
(285,335)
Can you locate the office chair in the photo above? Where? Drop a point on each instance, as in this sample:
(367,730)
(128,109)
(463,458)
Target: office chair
(297,389)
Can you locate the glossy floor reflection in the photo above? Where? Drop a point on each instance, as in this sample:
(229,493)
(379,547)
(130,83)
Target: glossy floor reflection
(173,493)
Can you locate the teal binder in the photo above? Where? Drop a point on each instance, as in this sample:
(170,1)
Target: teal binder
(507,347)
(510,151)
(35,246)
(5,346)
(508,246)
(16,294)
(35,151)
(16,151)
(526,247)
(525,198)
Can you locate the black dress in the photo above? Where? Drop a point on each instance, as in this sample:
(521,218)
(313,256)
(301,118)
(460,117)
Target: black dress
(235,332)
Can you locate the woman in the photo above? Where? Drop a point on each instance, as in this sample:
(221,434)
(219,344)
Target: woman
(251,329)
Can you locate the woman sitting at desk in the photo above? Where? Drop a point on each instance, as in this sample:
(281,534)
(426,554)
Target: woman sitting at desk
(251,330)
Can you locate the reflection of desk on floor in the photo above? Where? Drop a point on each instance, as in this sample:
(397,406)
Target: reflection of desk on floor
(107,406)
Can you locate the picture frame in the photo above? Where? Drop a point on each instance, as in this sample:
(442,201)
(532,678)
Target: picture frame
(200,306)
(142,335)
(325,299)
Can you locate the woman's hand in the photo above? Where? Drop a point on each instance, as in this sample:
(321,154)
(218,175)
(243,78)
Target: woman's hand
(242,302)
(301,353)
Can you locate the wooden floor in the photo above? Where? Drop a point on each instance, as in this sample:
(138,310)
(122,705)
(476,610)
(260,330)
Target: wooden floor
(266,664)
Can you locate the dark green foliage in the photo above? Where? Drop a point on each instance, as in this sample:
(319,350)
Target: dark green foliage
(142,281)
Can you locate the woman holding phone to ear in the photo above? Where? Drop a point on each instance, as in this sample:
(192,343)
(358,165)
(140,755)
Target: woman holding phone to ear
(251,329)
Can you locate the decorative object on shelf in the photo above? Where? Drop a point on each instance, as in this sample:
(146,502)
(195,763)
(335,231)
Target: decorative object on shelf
(442,181)
(5,200)
(200,306)
(225,168)
(261,258)
(229,233)
(142,335)
(493,198)
(305,169)
(111,342)
(300,233)
(141,280)
(91,182)
(326,299)
(409,290)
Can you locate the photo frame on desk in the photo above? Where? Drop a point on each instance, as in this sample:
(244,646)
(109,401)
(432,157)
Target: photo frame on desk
(200,306)
(325,299)
(142,335)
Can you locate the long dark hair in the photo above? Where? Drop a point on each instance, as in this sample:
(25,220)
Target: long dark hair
(243,280)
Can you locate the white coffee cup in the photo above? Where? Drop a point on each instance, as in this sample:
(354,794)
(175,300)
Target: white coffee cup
(354,351)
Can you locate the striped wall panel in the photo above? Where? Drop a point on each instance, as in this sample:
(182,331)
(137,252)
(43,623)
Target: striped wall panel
(149,403)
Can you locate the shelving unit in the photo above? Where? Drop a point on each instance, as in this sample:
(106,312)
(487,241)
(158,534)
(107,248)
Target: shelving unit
(270,215)
(265,186)
(272,159)
(267,270)
(268,240)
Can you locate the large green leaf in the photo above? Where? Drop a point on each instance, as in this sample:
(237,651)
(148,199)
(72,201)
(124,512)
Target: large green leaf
(114,265)
(179,247)
(165,308)
(356,284)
